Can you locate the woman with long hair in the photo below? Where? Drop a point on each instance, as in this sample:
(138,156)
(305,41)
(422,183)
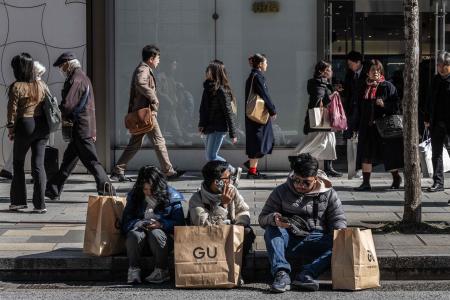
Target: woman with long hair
(217,115)
(28,128)
(379,98)
(320,143)
(152,210)
(259,137)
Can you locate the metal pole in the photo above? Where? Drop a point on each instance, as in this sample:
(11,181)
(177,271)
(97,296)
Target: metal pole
(215,16)
(330,28)
(353,26)
(436,36)
(443,24)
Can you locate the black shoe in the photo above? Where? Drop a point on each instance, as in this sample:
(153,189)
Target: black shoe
(282,282)
(306,282)
(435,188)
(178,174)
(396,183)
(333,173)
(120,177)
(258,175)
(50,195)
(247,164)
(364,187)
(6,174)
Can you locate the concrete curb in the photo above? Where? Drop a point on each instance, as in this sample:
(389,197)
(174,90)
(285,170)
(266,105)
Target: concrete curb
(66,265)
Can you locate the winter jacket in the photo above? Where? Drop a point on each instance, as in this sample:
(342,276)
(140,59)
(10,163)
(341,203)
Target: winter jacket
(169,216)
(74,90)
(318,89)
(143,89)
(204,209)
(285,200)
(438,104)
(20,101)
(216,113)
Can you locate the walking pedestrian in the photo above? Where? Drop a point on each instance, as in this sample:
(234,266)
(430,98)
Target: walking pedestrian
(259,137)
(378,99)
(320,143)
(78,113)
(28,128)
(142,95)
(437,117)
(153,210)
(216,110)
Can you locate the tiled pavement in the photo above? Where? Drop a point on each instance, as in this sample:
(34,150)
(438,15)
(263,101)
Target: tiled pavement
(60,231)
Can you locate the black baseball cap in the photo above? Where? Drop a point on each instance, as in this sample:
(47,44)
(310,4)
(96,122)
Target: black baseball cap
(66,56)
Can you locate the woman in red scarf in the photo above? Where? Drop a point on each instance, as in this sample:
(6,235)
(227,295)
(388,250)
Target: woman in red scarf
(378,99)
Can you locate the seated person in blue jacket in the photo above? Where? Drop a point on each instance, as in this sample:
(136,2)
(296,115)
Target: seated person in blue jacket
(152,210)
(299,218)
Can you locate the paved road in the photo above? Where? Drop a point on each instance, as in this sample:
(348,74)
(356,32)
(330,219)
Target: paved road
(407,290)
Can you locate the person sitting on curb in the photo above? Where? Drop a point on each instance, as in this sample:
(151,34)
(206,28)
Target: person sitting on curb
(219,202)
(152,210)
(299,218)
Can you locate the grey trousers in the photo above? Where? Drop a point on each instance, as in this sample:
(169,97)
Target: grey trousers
(156,240)
(135,144)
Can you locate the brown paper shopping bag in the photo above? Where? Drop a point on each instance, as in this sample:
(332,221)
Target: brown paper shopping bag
(102,236)
(208,256)
(354,263)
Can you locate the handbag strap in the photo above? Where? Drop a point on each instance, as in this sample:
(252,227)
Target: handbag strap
(251,88)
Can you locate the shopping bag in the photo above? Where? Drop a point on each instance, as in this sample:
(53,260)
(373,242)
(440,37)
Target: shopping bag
(352,148)
(425,152)
(354,263)
(319,118)
(338,119)
(208,256)
(102,236)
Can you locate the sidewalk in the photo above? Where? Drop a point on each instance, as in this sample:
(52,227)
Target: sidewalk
(49,246)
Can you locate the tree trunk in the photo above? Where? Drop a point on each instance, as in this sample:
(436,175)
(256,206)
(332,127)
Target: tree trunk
(413,207)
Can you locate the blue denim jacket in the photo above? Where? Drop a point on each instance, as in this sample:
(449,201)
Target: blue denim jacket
(172,215)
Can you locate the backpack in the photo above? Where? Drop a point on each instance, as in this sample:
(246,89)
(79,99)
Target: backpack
(51,111)
(338,120)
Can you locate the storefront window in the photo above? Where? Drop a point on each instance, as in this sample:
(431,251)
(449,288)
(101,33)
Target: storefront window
(184,31)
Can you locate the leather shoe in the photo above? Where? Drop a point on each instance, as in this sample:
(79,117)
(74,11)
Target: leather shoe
(435,188)
(363,188)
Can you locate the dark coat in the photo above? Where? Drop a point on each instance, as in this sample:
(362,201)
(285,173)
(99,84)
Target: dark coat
(351,96)
(370,143)
(318,89)
(73,91)
(259,137)
(216,113)
(437,108)
(170,215)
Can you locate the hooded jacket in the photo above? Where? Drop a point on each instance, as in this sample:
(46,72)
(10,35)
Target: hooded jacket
(216,113)
(285,200)
(204,209)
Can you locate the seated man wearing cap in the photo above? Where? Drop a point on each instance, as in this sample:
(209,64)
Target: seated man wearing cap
(299,218)
(79,128)
(219,202)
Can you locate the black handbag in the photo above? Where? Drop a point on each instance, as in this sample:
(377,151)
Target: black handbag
(390,126)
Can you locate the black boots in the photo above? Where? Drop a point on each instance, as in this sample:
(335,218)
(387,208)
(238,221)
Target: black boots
(328,168)
(365,186)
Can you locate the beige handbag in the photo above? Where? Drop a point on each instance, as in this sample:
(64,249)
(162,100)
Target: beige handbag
(256,109)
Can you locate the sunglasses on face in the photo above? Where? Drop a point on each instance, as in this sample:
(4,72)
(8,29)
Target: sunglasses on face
(302,182)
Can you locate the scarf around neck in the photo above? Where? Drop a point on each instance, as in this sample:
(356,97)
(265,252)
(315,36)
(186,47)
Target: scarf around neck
(372,87)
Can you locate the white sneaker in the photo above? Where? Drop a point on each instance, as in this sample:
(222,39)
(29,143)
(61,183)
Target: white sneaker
(17,207)
(158,276)
(134,275)
(39,211)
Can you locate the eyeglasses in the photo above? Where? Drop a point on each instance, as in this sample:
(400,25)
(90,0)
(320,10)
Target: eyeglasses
(302,182)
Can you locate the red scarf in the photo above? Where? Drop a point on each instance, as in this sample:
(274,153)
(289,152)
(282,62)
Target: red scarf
(372,86)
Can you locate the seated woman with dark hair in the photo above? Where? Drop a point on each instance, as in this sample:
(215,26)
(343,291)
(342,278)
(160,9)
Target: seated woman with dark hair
(153,209)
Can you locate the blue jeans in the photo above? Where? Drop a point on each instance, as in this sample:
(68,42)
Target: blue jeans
(280,243)
(213,142)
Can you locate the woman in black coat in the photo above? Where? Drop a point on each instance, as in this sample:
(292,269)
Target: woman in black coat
(217,117)
(379,98)
(320,143)
(259,137)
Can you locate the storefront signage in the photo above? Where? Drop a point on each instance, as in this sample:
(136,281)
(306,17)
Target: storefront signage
(266,7)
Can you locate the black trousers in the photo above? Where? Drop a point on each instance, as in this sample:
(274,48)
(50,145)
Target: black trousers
(78,149)
(29,133)
(439,137)
(249,238)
